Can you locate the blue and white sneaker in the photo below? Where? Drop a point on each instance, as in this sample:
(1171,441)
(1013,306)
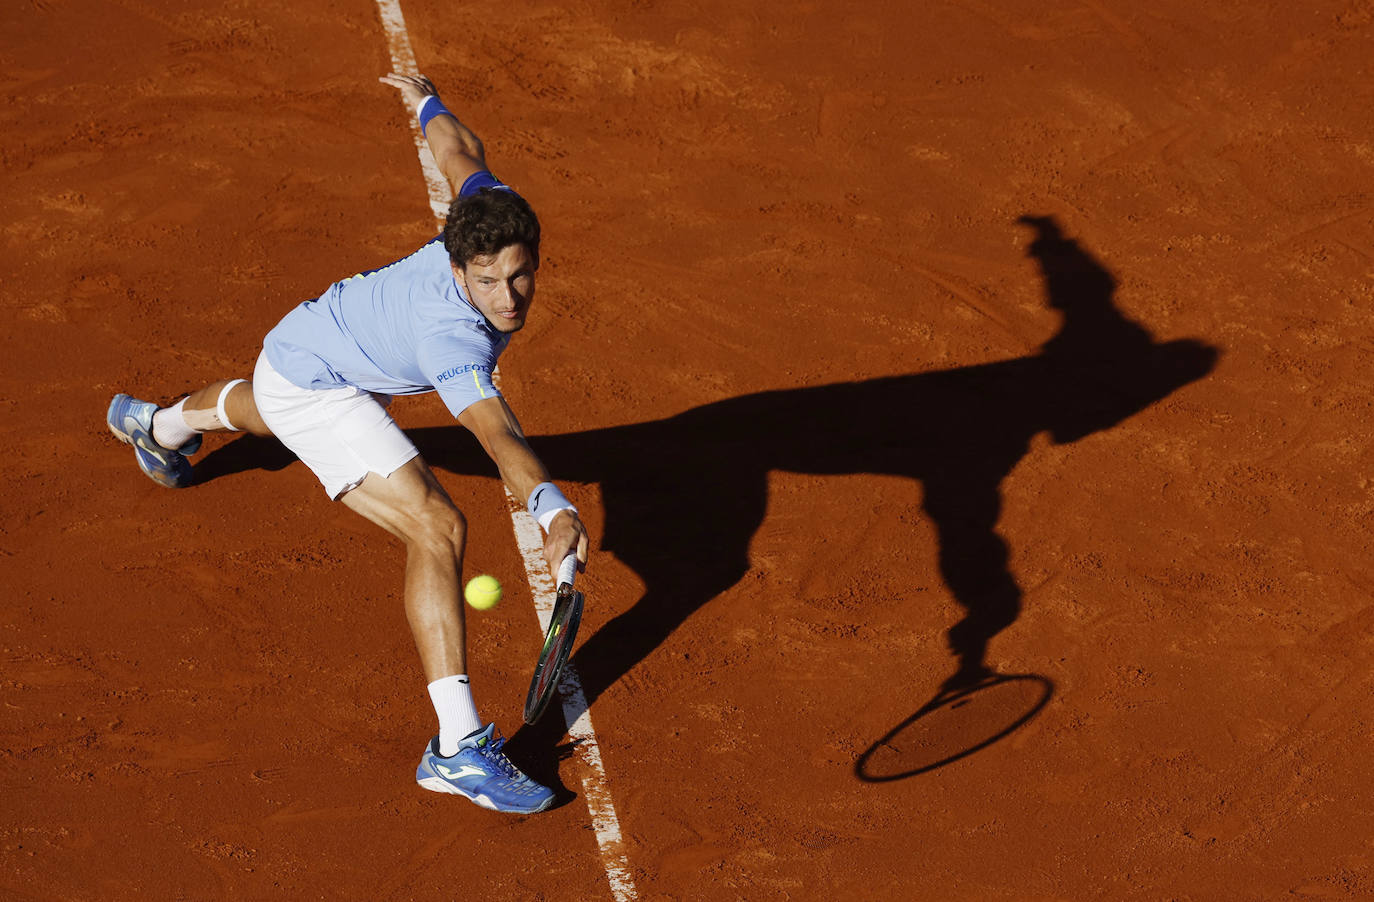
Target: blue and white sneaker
(131,421)
(480,771)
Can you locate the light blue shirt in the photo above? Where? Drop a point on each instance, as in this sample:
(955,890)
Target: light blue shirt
(404,329)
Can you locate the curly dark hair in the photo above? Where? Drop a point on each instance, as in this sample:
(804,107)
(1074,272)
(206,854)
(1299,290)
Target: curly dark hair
(485,223)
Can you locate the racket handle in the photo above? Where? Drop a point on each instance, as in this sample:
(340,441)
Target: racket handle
(567,570)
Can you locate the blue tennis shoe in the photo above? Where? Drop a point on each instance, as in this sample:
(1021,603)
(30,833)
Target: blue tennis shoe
(480,771)
(131,421)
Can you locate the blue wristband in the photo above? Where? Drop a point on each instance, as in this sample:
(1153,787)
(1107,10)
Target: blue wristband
(546,501)
(430,107)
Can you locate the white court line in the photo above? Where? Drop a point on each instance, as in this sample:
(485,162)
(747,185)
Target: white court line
(403,63)
(595,788)
(529,538)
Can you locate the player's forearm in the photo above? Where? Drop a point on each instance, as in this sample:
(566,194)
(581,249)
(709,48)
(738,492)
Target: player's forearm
(456,149)
(494,425)
(526,476)
(521,470)
(453,145)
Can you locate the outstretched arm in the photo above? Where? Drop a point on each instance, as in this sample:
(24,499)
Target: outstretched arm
(456,149)
(494,424)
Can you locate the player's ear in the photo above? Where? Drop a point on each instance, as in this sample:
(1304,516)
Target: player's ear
(459,275)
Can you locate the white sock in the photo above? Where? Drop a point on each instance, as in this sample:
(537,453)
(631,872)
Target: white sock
(169,426)
(452,698)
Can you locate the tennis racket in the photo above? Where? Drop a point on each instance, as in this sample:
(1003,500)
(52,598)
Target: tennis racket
(558,641)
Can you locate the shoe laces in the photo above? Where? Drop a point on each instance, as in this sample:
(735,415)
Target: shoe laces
(492,752)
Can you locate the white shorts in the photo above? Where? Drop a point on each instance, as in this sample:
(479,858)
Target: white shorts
(341,434)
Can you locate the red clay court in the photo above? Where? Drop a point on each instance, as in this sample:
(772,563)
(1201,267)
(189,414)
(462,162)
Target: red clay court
(884,347)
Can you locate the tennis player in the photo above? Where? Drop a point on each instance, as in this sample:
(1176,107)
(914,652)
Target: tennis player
(436,320)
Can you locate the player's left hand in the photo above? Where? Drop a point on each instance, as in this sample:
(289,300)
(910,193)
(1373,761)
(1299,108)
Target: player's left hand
(566,533)
(413,88)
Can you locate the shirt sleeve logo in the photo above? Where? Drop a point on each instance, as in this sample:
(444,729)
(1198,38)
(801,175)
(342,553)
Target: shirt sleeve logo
(452,373)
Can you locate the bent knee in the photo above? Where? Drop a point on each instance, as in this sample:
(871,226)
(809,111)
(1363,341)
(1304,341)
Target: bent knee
(437,523)
(241,405)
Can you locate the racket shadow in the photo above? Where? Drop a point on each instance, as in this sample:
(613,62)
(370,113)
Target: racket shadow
(956,723)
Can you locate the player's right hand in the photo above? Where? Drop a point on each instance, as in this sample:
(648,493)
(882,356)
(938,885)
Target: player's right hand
(566,535)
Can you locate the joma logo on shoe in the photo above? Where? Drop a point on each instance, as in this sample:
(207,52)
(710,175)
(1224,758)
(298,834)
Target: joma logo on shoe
(467,770)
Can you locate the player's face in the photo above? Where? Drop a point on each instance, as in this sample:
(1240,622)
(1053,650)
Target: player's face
(500,286)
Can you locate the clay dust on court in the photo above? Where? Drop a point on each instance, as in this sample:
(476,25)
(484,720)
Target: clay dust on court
(883,347)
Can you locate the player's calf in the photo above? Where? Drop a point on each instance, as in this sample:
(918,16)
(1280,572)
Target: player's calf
(225,405)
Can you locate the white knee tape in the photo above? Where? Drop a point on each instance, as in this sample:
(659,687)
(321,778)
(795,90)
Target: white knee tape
(219,406)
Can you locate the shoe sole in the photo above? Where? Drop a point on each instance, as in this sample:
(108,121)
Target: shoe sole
(110,421)
(439,784)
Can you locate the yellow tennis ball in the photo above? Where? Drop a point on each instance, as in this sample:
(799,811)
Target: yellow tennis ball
(483,592)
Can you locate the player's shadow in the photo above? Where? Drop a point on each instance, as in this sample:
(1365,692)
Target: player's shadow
(246,452)
(683,496)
